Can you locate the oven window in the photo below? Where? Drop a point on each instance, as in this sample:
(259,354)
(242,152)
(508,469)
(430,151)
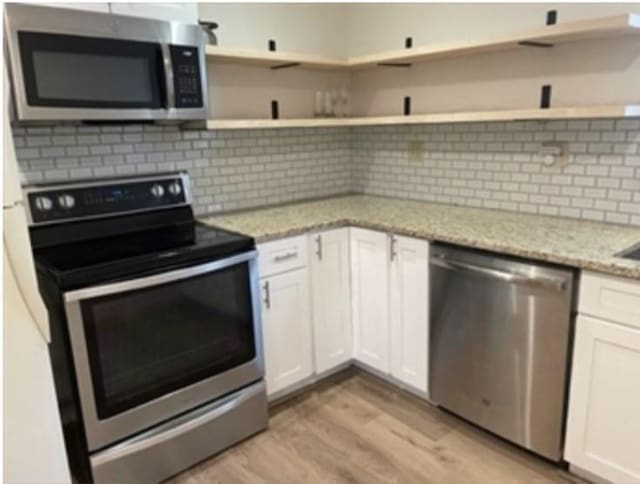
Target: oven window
(73,71)
(146,343)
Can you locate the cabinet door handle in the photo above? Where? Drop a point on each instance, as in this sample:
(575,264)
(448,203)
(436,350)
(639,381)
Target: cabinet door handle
(392,246)
(267,295)
(284,257)
(319,246)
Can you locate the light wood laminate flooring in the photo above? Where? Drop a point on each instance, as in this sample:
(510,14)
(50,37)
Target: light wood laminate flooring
(355,428)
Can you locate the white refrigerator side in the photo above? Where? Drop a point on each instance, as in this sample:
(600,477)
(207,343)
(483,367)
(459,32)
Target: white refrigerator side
(33,445)
(15,234)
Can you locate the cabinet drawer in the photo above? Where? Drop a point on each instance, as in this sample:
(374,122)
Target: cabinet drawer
(611,298)
(282,255)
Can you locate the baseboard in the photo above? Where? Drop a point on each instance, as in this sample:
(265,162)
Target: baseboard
(393,381)
(310,384)
(337,374)
(587,475)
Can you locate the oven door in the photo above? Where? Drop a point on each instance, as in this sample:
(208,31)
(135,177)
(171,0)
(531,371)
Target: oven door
(148,349)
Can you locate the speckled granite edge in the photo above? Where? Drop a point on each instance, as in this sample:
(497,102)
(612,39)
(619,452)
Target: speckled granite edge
(575,243)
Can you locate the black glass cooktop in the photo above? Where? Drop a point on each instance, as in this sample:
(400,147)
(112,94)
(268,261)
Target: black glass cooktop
(141,253)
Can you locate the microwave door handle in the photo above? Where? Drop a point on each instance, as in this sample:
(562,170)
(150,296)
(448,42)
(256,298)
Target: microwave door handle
(168,76)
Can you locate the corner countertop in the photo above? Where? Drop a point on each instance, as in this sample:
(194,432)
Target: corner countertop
(577,243)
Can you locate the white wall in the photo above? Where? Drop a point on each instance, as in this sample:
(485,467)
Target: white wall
(310,27)
(377,27)
(347,29)
(582,73)
(240,91)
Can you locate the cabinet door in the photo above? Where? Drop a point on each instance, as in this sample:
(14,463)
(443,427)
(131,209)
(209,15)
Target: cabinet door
(91,7)
(330,294)
(286,323)
(603,429)
(370,285)
(409,310)
(174,12)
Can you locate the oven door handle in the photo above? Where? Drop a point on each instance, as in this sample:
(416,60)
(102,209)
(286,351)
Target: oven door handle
(157,279)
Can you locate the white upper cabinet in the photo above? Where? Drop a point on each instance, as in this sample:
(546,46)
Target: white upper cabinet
(603,428)
(330,295)
(90,7)
(175,12)
(286,326)
(409,310)
(370,297)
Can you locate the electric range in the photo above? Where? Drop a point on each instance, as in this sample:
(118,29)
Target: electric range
(156,340)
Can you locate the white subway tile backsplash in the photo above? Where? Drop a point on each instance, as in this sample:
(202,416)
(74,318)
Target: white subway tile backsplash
(491,165)
(230,170)
(602,174)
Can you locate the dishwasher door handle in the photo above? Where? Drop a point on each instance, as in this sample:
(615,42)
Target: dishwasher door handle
(510,277)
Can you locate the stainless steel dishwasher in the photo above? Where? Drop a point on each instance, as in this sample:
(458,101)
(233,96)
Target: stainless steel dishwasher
(500,342)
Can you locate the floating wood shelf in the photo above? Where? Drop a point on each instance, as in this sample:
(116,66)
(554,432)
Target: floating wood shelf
(274,60)
(583,112)
(599,28)
(619,25)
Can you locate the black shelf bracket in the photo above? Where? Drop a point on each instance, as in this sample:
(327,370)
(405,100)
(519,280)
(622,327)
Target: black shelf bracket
(533,43)
(545,96)
(407,105)
(275,111)
(552,17)
(285,66)
(394,64)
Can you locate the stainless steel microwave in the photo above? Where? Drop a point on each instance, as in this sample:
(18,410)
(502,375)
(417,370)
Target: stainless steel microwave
(69,65)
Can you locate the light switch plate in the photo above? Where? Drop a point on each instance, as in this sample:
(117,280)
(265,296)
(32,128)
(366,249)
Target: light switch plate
(415,150)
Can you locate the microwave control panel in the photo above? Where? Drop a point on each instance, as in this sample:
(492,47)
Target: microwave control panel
(187,82)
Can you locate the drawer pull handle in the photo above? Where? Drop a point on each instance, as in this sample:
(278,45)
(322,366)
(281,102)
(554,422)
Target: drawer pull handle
(284,257)
(267,295)
(319,246)
(392,248)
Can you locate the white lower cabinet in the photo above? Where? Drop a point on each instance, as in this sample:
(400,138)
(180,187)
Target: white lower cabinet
(344,294)
(286,323)
(330,296)
(370,297)
(603,428)
(409,311)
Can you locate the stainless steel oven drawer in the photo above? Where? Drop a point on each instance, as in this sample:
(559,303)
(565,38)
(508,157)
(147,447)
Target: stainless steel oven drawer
(175,445)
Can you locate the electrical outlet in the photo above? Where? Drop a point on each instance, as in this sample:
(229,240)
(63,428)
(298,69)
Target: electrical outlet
(415,150)
(555,154)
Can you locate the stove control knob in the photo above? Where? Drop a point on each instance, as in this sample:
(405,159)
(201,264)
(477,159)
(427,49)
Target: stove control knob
(43,204)
(157,190)
(175,189)
(66,201)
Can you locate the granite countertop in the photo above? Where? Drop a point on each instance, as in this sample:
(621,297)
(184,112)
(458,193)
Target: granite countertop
(577,243)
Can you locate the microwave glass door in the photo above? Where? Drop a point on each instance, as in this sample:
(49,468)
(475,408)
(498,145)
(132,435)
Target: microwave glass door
(145,343)
(90,72)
